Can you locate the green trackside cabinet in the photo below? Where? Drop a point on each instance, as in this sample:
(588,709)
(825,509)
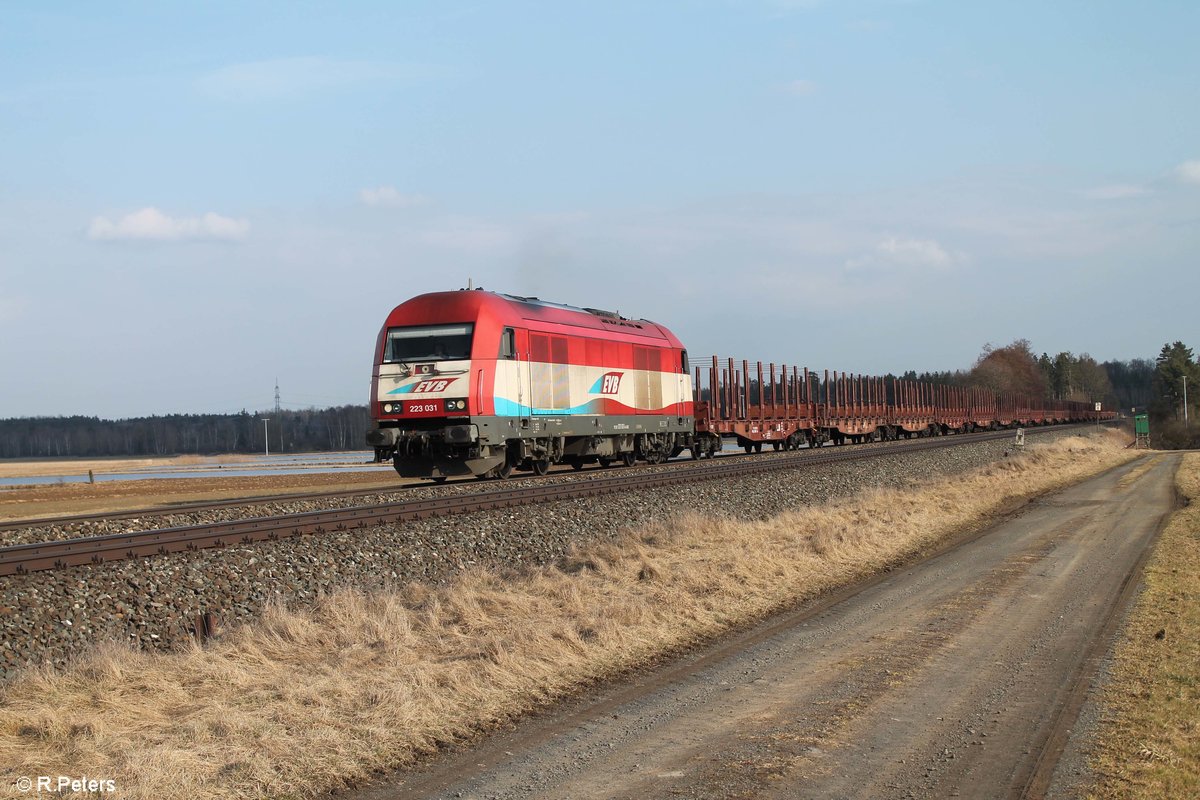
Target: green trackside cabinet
(1141,431)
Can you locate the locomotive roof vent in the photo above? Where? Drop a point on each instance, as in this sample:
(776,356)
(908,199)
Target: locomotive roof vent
(607,317)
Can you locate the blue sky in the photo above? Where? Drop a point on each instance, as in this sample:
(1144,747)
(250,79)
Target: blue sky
(196,199)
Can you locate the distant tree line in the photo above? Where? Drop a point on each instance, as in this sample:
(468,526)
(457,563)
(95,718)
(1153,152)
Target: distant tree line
(1136,386)
(338,428)
(1015,368)
(1176,376)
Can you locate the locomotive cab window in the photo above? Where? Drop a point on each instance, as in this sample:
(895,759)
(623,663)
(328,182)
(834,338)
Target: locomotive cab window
(683,362)
(429,343)
(508,344)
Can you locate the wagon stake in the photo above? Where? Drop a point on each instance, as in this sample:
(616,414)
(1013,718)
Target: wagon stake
(204,626)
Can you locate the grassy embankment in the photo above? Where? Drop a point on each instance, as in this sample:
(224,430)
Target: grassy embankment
(1149,739)
(306,701)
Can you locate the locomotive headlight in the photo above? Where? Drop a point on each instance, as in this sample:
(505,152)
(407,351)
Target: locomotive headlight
(387,408)
(456,405)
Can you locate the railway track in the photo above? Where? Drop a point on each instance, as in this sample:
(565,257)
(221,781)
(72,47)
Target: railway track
(95,550)
(216,505)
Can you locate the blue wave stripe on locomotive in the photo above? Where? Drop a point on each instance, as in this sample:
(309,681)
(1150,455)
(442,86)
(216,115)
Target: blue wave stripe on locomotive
(508,408)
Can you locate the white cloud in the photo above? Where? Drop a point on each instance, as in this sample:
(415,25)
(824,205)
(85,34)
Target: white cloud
(801,88)
(894,251)
(388,197)
(1189,172)
(1116,191)
(288,78)
(916,252)
(150,224)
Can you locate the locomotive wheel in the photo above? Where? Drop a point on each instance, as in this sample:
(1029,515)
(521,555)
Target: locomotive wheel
(629,459)
(541,466)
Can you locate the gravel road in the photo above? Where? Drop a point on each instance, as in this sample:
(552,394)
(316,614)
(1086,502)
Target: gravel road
(945,679)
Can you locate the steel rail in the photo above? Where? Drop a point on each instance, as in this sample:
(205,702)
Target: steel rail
(213,505)
(95,550)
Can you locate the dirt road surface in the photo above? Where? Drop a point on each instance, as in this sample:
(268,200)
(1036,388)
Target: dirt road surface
(957,676)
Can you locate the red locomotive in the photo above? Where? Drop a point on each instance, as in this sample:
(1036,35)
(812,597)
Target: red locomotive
(473,382)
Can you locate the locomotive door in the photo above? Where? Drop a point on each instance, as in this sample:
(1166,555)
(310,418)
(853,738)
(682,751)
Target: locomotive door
(683,383)
(512,374)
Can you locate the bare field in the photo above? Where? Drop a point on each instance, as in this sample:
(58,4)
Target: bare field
(22,467)
(62,499)
(305,702)
(1149,737)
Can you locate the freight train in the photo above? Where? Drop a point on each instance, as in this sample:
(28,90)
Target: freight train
(480,383)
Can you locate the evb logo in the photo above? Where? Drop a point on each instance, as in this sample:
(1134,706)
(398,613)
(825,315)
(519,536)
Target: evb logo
(609,383)
(431,386)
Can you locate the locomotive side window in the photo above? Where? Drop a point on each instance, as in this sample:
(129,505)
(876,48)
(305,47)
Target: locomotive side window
(683,362)
(508,344)
(429,343)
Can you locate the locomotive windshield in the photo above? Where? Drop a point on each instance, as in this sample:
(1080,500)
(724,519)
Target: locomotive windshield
(429,343)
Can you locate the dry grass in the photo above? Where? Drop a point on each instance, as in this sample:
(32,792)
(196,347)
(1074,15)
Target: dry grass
(1149,740)
(304,702)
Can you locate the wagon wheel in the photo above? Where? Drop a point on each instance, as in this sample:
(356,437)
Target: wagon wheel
(541,466)
(576,464)
(504,470)
(629,459)
(776,445)
(439,478)
(696,450)
(606,462)
(758,447)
